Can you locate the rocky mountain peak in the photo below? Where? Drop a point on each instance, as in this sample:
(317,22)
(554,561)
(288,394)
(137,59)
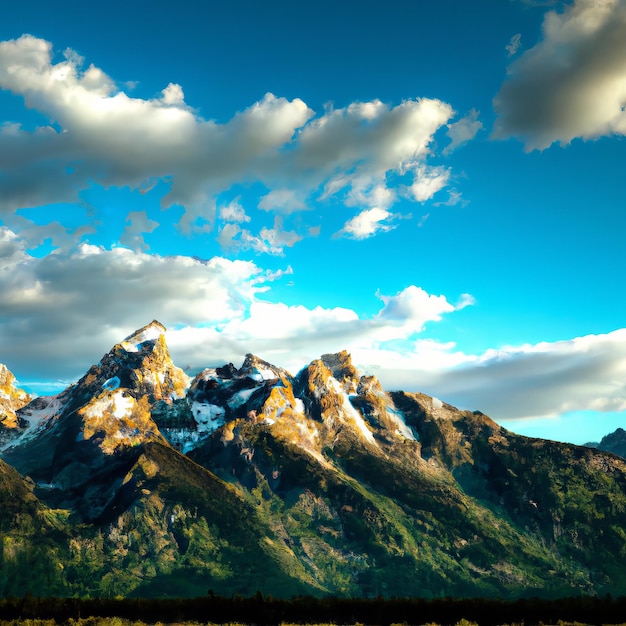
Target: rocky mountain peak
(141,364)
(133,380)
(147,334)
(340,366)
(258,369)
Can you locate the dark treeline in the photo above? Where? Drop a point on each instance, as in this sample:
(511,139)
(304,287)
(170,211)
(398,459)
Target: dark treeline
(261,610)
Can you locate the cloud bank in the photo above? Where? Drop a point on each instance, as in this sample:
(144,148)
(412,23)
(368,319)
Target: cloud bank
(60,313)
(99,134)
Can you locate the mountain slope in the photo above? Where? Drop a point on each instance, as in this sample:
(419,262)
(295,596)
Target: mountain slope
(34,539)
(253,479)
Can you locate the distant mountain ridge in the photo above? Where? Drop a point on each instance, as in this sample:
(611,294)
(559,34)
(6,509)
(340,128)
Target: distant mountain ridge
(138,480)
(614,442)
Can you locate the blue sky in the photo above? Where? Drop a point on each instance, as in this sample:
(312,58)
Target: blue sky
(435,186)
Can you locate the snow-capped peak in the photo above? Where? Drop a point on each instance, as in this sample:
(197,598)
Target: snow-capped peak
(149,333)
(260,370)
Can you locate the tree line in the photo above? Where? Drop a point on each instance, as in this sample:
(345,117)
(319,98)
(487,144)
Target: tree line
(268,611)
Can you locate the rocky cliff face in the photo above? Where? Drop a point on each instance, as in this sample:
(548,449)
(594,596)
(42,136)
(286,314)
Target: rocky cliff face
(250,478)
(12,399)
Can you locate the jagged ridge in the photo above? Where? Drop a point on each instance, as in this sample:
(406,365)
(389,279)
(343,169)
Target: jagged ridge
(322,482)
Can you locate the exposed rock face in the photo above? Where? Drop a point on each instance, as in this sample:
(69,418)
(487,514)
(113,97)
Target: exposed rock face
(250,478)
(12,398)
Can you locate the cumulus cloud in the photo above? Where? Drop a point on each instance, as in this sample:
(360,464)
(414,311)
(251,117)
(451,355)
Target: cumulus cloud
(100,134)
(293,335)
(572,84)
(234,212)
(412,308)
(428,181)
(367,223)
(78,303)
(137,225)
(109,137)
(463,131)
(359,145)
(268,241)
(63,311)
(283,201)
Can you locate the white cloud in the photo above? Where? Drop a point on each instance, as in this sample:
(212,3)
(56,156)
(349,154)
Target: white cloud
(368,223)
(173,95)
(359,145)
(268,241)
(111,138)
(514,44)
(515,382)
(63,311)
(412,308)
(283,201)
(102,135)
(292,336)
(227,235)
(277,237)
(572,84)
(78,303)
(454,198)
(233,212)
(137,224)
(427,182)
(463,131)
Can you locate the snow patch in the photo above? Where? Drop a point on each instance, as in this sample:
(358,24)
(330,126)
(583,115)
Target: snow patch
(267,374)
(118,405)
(122,405)
(402,427)
(37,418)
(150,333)
(241,397)
(437,403)
(208,417)
(346,405)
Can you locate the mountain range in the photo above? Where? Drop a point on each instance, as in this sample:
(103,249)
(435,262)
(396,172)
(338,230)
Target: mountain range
(138,480)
